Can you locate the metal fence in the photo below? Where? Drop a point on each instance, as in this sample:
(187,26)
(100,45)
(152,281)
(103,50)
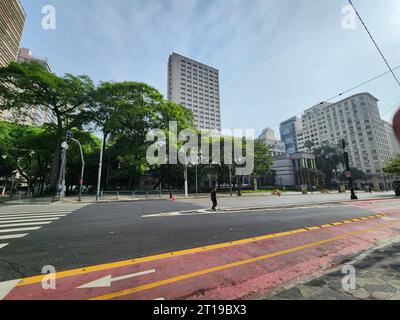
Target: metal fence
(135,195)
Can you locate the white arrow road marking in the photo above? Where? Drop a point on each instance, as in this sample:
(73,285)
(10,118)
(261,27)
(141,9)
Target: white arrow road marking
(23,224)
(179,213)
(106,281)
(6,287)
(160,299)
(20,229)
(2,245)
(13,236)
(389,219)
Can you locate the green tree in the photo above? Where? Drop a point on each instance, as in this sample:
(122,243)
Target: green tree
(327,159)
(393,166)
(30,84)
(309,145)
(90,146)
(356,174)
(136,109)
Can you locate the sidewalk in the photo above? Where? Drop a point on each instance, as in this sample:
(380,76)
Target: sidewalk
(377,278)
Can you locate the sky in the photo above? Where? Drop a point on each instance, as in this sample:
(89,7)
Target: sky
(276,57)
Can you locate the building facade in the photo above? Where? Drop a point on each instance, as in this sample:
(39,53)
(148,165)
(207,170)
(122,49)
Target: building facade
(295,170)
(276,147)
(289,131)
(195,86)
(394,144)
(12,21)
(25,55)
(357,120)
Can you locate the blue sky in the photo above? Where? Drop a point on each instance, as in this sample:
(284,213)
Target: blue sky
(276,57)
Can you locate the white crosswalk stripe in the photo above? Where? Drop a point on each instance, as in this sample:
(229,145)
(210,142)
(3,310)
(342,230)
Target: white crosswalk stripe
(29,220)
(17,221)
(19,229)
(31,216)
(23,224)
(13,236)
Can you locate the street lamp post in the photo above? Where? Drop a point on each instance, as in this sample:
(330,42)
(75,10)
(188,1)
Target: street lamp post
(82,169)
(197,188)
(346,160)
(186,180)
(230,180)
(99,172)
(61,174)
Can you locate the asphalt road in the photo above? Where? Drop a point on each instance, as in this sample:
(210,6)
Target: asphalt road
(103,233)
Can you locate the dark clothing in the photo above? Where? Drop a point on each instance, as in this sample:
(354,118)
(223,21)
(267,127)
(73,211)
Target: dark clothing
(214,200)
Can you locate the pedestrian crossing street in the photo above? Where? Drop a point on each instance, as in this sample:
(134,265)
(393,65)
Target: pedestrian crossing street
(18,221)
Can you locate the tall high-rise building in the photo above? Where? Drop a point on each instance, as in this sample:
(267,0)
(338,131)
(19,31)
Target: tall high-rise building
(12,21)
(357,120)
(289,130)
(195,86)
(394,144)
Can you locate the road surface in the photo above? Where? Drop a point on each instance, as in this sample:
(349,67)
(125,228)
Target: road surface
(180,250)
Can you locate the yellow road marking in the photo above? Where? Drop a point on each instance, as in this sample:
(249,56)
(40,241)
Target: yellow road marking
(313,228)
(233,264)
(80,271)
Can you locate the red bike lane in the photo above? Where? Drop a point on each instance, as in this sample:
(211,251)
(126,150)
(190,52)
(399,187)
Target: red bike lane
(236,270)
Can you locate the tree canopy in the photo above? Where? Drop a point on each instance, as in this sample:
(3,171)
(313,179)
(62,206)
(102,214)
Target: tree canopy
(23,85)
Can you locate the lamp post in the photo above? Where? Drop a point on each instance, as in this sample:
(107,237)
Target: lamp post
(99,172)
(230,180)
(82,169)
(348,171)
(186,179)
(60,192)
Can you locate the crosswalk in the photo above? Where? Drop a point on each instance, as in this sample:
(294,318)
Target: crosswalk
(240,210)
(18,221)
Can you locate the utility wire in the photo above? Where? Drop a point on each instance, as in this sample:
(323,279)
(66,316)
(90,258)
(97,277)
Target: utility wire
(347,91)
(391,70)
(362,84)
(391,109)
(376,45)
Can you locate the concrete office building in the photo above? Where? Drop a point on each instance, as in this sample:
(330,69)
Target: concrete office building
(394,144)
(195,86)
(276,147)
(295,170)
(12,21)
(357,120)
(289,131)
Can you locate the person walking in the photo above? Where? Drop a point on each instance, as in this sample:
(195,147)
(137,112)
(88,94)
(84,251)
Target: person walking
(214,198)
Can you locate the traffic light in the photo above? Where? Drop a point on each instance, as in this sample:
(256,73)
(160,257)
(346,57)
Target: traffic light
(69,135)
